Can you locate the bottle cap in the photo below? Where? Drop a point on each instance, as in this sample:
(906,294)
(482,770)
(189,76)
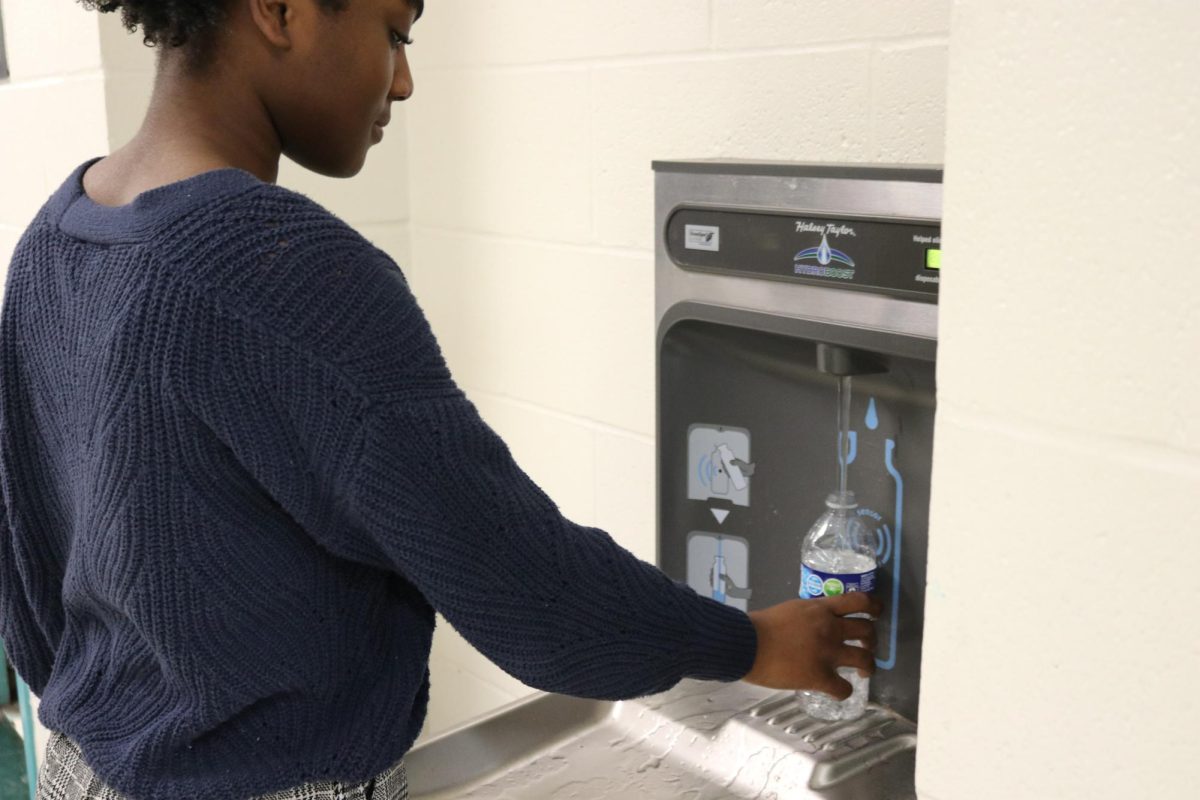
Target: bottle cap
(844,499)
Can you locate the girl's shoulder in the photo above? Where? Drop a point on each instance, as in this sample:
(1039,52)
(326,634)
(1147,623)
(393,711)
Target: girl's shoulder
(281,259)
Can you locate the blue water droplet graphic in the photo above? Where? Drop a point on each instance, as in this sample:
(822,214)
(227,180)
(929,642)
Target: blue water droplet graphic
(823,252)
(872,415)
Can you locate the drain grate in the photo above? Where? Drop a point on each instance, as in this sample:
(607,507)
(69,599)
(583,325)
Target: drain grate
(876,725)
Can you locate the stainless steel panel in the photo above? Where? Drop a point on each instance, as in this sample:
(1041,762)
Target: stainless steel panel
(878,199)
(873,756)
(701,740)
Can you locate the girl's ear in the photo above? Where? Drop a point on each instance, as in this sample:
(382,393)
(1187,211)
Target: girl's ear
(273,18)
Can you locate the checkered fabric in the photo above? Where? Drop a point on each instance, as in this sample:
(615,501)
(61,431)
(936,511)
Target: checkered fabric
(65,776)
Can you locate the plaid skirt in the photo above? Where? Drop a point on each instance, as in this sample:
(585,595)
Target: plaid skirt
(65,776)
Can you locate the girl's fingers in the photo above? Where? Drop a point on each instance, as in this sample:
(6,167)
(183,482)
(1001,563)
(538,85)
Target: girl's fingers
(839,688)
(859,658)
(855,603)
(859,630)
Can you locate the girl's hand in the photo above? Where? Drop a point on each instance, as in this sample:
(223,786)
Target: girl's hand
(801,643)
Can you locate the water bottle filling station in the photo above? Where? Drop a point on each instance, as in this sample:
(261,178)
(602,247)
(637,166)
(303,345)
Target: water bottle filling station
(796,311)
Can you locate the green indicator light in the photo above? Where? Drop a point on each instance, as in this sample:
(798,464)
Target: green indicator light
(933,259)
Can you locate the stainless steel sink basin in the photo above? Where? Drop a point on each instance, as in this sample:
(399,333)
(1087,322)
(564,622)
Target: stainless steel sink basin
(700,741)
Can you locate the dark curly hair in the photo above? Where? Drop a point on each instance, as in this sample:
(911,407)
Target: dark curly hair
(189,24)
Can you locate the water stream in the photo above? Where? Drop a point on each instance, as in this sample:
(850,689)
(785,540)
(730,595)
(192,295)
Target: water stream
(843,424)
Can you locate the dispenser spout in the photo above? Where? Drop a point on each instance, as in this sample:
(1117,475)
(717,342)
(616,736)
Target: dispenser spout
(835,359)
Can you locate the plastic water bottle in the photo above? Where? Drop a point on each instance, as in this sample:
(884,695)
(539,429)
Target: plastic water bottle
(837,557)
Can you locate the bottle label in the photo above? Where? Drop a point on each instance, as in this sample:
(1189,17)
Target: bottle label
(831,584)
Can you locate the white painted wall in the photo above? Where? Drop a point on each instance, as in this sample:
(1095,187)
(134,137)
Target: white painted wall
(531,133)
(51,106)
(1061,642)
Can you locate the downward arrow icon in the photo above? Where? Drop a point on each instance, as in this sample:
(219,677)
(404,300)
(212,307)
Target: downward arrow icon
(720,514)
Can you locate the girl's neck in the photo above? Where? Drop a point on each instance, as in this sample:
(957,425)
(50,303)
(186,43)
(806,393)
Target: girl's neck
(191,126)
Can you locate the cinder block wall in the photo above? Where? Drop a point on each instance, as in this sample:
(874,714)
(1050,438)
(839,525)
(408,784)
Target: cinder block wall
(531,133)
(52,113)
(1060,647)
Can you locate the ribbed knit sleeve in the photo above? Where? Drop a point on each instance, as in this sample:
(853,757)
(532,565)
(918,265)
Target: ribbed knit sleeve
(335,395)
(26,645)
(560,606)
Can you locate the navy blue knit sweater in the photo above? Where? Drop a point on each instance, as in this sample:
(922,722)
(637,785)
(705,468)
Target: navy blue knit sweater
(238,479)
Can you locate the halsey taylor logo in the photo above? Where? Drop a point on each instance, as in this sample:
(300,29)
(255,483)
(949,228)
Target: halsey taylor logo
(824,261)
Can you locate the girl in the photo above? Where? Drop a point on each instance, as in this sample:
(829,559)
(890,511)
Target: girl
(239,479)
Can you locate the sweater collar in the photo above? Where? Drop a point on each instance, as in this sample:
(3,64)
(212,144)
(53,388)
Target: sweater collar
(79,216)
